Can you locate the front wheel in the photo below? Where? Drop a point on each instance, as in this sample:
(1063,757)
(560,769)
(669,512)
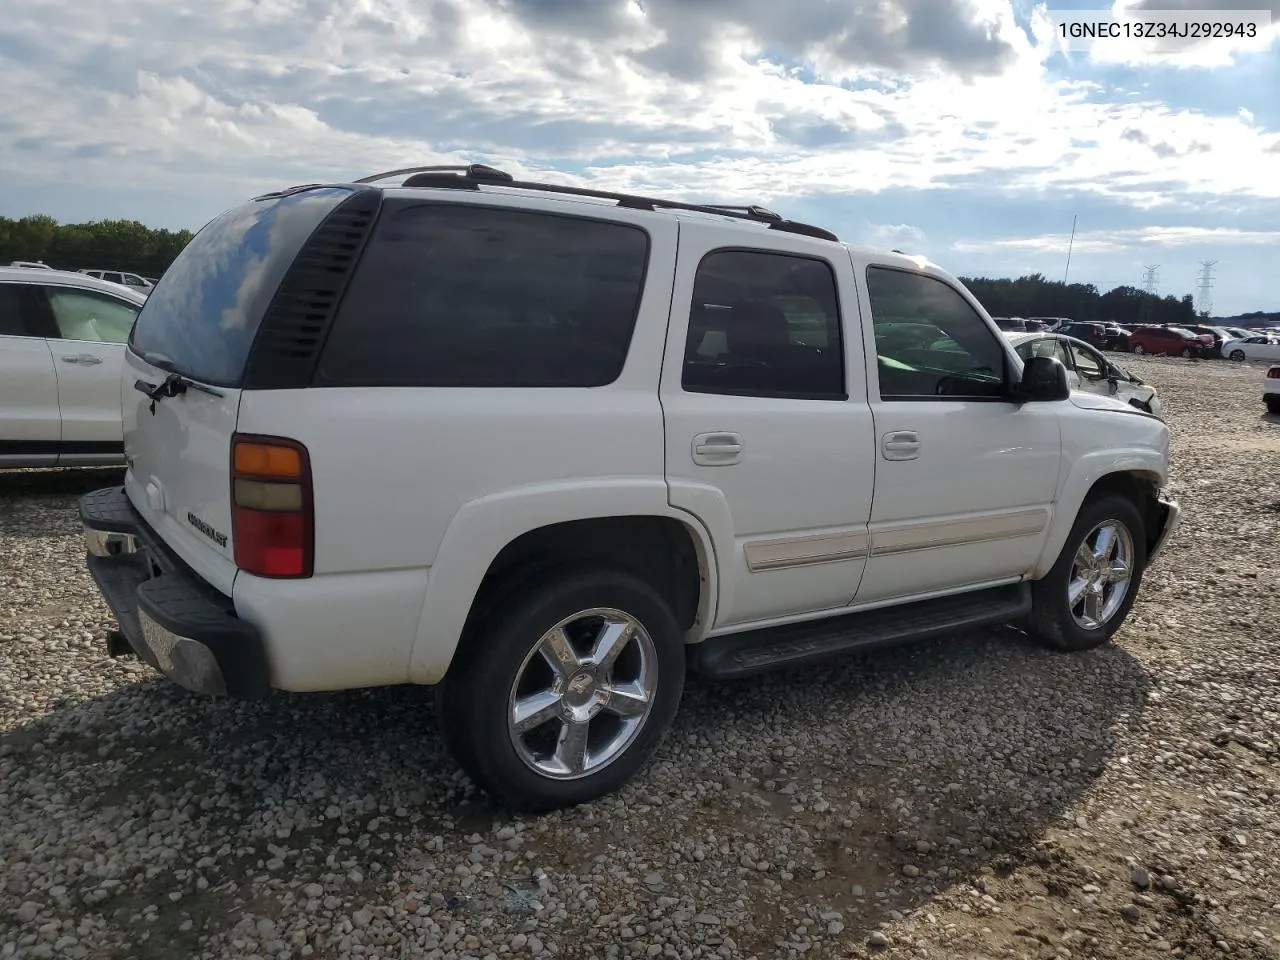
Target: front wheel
(1237,356)
(1085,597)
(1186,352)
(1139,349)
(566,691)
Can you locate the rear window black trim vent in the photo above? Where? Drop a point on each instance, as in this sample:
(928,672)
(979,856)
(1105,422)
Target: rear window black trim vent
(296,322)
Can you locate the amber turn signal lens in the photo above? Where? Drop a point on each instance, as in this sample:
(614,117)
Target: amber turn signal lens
(264,460)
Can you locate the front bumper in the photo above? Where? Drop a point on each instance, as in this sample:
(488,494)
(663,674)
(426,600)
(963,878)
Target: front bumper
(1172,514)
(170,617)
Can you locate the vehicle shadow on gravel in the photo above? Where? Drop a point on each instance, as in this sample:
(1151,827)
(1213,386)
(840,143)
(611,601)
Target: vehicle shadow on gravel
(25,493)
(861,789)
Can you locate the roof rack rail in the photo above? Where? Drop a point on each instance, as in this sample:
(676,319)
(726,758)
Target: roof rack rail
(286,191)
(471,176)
(469,171)
(753,211)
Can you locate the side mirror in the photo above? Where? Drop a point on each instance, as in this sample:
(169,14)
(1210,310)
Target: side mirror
(1044,379)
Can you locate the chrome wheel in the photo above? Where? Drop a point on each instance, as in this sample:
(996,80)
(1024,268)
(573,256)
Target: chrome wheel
(583,693)
(1100,575)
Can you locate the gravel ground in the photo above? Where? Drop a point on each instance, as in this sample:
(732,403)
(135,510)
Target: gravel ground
(975,797)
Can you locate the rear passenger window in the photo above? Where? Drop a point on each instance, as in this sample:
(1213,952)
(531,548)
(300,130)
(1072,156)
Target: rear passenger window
(764,324)
(930,343)
(457,295)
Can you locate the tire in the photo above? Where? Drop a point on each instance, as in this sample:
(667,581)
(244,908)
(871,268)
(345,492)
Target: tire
(1053,621)
(1139,349)
(501,656)
(1273,405)
(1186,352)
(1237,356)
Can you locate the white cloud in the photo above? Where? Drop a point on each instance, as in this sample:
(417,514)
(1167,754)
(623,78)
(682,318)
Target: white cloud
(1117,241)
(893,234)
(257,96)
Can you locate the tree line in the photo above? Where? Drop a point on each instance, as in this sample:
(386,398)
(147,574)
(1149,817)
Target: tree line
(102,244)
(132,246)
(1034,296)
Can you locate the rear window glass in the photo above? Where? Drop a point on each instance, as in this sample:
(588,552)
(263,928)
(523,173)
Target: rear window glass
(458,295)
(201,318)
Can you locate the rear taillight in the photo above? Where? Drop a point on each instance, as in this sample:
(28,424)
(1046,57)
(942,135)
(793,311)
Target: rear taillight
(1273,373)
(272,517)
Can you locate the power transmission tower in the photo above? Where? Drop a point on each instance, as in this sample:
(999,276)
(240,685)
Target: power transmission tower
(1204,298)
(1151,279)
(1151,282)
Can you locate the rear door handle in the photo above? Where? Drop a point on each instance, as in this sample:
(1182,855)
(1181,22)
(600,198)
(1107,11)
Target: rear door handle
(85,359)
(717,449)
(900,445)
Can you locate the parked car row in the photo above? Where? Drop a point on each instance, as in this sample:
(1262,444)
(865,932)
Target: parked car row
(134,281)
(1184,340)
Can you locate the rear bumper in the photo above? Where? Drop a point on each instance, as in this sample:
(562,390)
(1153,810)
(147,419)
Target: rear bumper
(1172,514)
(171,618)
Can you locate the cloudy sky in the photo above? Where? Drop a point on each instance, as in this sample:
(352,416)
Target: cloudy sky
(960,129)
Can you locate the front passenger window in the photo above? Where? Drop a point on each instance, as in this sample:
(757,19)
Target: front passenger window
(930,343)
(88,316)
(1088,364)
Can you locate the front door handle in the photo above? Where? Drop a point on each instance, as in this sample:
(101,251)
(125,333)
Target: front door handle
(717,449)
(900,445)
(85,359)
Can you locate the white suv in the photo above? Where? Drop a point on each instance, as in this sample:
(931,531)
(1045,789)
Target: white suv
(133,281)
(61,354)
(548,448)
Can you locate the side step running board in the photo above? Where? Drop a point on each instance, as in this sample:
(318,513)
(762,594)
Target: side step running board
(736,655)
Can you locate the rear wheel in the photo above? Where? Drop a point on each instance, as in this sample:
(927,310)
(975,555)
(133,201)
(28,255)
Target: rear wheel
(565,692)
(1085,597)
(1139,348)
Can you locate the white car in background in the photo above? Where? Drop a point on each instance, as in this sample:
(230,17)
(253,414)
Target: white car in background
(1088,369)
(1271,389)
(62,338)
(1263,346)
(134,281)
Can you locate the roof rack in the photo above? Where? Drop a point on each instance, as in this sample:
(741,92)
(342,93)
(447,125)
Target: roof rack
(471,176)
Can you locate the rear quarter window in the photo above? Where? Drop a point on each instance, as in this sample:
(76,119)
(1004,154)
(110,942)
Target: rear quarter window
(460,295)
(202,316)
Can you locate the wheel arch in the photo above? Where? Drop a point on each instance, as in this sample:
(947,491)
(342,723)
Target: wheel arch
(1136,480)
(494,544)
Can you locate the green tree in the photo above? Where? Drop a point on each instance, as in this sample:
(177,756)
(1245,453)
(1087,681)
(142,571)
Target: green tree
(101,244)
(1034,296)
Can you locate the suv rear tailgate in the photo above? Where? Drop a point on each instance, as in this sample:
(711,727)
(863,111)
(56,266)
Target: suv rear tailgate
(178,449)
(196,333)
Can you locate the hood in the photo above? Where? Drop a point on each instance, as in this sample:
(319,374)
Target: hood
(1094,401)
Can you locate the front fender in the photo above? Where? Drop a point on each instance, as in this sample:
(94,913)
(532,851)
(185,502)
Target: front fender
(483,527)
(1145,463)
